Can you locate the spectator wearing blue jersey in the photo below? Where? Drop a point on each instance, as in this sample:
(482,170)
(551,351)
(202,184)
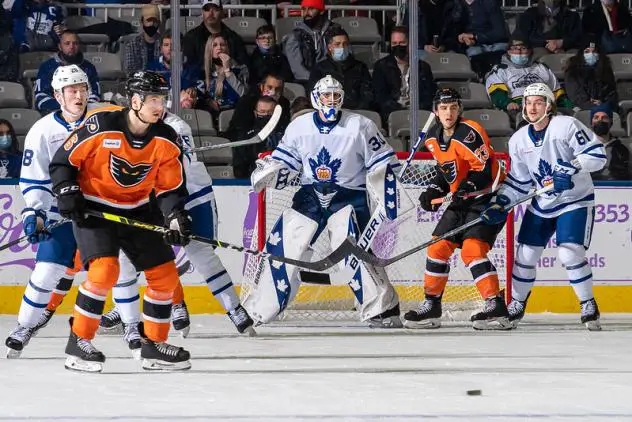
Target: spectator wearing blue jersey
(37,24)
(10,155)
(69,53)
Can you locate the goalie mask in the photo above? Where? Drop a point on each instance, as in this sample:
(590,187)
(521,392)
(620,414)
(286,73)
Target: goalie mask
(75,103)
(538,90)
(327,97)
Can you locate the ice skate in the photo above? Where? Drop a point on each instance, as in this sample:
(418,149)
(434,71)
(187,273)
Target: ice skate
(244,324)
(43,321)
(131,336)
(427,316)
(162,356)
(17,341)
(388,319)
(82,355)
(180,319)
(516,311)
(590,315)
(111,323)
(493,317)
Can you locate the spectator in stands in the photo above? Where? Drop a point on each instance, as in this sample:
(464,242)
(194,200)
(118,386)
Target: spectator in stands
(69,53)
(589,79)
(483,34)
(189,76)
(10,155)
(550,27)
(37,24)
(145,47)
(342,66)
(438,23)
(225,81)
(268,57)
(300,106)
(9,58)
(391,78)
(306,45)
(244,157)
(618,165)
(194,42)
(517,70)
(610,23)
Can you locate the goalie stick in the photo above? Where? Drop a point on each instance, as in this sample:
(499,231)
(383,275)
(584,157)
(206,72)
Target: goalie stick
(47,228)
(346,248)
(385,262)
(258,138)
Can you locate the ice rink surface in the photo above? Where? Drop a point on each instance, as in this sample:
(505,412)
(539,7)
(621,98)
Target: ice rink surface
(551,368)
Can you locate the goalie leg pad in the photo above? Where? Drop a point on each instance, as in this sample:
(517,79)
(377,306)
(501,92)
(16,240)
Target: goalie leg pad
(438,267)
(573,257)
(275,281)
(126,292)
(44,279)
(385,188)
(474,254)
(523,273)
(369,284)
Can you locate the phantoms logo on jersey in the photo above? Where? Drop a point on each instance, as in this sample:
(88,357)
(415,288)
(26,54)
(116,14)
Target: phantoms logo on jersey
(324,169)
(544,176)
(126,174)
(449,171)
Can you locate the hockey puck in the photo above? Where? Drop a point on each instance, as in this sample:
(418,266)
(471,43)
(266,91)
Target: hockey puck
(474,392)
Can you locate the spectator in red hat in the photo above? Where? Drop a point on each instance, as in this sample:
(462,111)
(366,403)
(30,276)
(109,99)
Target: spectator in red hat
(306,44)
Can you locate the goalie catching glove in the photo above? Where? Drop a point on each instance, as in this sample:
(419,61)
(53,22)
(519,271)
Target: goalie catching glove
(179,225)
(70,202)
(271,172)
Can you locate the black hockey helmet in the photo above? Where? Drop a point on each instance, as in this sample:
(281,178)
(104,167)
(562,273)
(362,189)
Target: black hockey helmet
(447,96)
(147,83)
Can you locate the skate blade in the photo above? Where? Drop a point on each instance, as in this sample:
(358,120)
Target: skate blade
(115,330)
(501,323)
(386,323)
(13,354)
(593,325)
(424,324)
(73,363)
(184,332)
(135,354)
(249,332)
(514,323)
(161,365)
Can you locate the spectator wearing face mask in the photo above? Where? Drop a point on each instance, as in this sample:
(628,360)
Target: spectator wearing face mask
(550,27)
(10,155)
(69,53)
(391,78)
(37,24)
(342,66)
(609,22)
(144,48)
(589,79)
(306,45)
(267,57)
(517,70)
(618,165)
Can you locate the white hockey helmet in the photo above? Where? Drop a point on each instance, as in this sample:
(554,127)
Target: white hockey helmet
(538,89)
(328,86)
(69,75)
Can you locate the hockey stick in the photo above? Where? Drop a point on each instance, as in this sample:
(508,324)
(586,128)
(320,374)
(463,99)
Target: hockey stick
(47,228)
(492,188)
(385,262)
(346,248)
(257,139)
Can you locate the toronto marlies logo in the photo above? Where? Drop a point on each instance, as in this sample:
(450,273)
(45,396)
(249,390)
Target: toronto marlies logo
(526,80)
(449,171)
(544,176)
(324,169)
(127,174)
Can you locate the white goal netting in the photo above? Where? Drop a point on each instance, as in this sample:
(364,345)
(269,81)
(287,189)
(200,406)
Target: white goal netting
(324,296)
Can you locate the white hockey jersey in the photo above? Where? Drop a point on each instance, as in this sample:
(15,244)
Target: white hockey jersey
(342,154)
(533,162)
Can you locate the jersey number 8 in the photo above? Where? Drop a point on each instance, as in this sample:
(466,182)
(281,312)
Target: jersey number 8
(28,157)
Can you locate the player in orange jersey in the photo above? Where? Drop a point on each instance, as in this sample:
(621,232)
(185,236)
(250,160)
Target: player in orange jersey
(466,170)
(114,163)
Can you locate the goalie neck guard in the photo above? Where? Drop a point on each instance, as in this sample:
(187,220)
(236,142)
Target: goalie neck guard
(327,97)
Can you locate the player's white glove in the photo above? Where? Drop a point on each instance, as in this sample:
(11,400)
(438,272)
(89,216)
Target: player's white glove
(270,172)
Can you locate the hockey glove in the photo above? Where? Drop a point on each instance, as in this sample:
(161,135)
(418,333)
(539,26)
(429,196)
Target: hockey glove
(496,213)
(426,197)
(70,201)
(179,224)
(563,174)
(465,187)
(33,222)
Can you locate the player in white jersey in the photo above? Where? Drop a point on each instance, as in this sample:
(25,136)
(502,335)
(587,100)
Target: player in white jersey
(556,150)
(201,207)
(56,250)
(337,153)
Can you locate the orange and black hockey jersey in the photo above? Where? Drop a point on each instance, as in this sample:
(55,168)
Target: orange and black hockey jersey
(467,155)
(120,170)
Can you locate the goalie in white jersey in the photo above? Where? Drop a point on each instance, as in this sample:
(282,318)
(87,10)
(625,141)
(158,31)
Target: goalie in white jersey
(561,151)
(338,154)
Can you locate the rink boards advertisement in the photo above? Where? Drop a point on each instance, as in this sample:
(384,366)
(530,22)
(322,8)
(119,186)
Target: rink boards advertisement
(609,253)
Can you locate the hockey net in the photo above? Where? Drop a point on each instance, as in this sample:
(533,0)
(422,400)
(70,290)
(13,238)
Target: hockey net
(324,296)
